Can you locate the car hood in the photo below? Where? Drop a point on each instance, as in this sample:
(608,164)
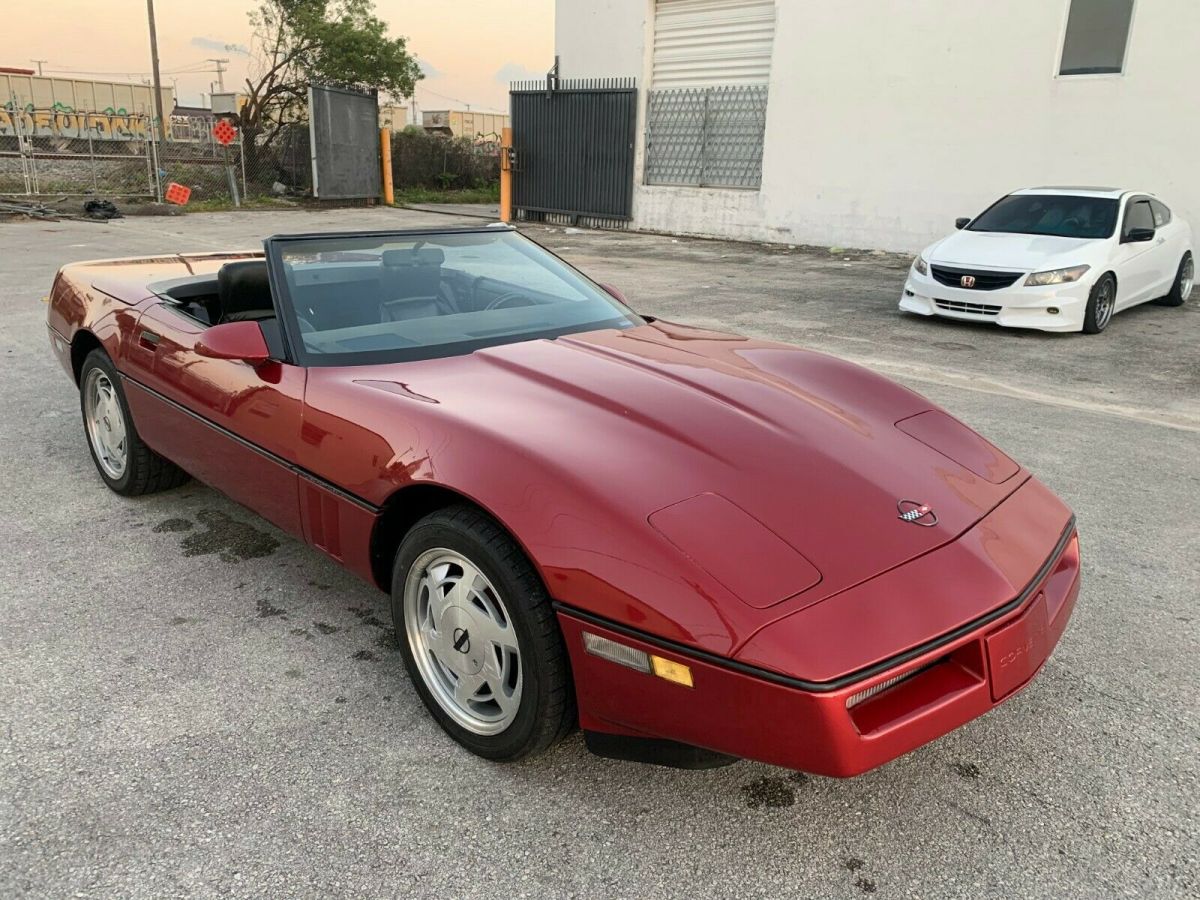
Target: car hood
(793,460)
(1019,252)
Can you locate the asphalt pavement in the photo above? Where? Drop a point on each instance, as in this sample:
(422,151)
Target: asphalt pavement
(192,703)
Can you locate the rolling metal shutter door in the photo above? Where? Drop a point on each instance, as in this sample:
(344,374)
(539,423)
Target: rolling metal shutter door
(705,42)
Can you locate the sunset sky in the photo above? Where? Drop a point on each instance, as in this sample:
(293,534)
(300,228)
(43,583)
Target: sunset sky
(470,49)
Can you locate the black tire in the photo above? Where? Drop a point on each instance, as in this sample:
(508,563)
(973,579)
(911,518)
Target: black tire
(1176,297)
(145,472)
(546,710)
(1095,318)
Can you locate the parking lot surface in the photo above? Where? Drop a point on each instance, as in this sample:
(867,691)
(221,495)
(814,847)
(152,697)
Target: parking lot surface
(193,703)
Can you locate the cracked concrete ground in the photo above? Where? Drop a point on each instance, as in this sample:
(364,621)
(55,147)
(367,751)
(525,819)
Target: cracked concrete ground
(193,703)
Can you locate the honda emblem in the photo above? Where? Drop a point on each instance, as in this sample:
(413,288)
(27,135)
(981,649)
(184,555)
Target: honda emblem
(967,281)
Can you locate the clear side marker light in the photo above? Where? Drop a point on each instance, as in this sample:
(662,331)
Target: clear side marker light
(618,653)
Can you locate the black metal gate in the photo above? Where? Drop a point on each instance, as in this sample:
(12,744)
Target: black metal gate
(573,143)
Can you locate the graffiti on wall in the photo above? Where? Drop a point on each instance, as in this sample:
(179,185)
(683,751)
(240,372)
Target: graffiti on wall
(61,121)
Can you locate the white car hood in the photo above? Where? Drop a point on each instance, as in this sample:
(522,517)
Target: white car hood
(1018,252)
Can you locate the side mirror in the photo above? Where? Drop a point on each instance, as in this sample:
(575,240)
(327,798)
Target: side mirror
(962,222)
(235,340)
(1138,236)
(614,293)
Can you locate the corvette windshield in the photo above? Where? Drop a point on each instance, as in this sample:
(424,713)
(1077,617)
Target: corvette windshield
(1056,215)
(389,298)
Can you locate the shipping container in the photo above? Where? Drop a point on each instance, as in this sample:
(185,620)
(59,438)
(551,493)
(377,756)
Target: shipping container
(478,126)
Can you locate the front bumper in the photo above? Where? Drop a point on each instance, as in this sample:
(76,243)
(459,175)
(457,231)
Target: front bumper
(841,728)
(1012,307)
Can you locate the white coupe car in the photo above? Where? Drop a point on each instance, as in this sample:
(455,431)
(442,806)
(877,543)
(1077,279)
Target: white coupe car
(1056,259)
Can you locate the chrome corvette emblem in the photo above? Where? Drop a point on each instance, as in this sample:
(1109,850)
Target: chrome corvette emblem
(967,281)
(917,513)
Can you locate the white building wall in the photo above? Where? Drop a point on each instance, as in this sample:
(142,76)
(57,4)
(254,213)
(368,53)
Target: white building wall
(889,118)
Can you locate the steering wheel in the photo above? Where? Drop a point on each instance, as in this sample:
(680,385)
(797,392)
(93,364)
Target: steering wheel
(306,327)
(505,298)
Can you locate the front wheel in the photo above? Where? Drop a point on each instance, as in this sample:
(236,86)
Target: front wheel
(479,637)
(1101,303)
(1185,277)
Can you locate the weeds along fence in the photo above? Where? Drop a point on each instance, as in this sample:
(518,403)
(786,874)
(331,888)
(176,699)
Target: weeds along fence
(424,160)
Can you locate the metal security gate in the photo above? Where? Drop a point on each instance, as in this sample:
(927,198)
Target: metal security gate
(573,144)
(344,136)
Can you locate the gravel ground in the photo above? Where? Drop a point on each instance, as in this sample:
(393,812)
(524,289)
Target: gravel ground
(193,703)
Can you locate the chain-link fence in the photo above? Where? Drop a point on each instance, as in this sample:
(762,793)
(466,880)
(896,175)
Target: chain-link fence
(57,152)
(708,137)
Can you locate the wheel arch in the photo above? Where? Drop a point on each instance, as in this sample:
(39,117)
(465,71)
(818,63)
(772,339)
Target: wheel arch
(405,507)
(82,343)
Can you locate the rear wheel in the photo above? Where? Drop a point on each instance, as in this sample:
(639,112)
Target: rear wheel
(127,465)
(1101,303)
(1185,278)
(479,637)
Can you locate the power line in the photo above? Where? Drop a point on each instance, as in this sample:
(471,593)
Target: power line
(465,103)
(189,69)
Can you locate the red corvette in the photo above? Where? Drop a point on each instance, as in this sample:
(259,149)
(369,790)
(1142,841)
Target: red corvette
(695,545)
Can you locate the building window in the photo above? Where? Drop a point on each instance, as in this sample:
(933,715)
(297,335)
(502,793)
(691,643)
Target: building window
(706,136)
(1097,36)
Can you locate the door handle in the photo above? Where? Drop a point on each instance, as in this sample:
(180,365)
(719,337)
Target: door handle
(149,340)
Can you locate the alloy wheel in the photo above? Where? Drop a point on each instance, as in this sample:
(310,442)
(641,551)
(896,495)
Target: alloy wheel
(1104,303)
(105,423)
(463,641)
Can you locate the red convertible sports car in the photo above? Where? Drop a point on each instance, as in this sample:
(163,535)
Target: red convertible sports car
(696,546)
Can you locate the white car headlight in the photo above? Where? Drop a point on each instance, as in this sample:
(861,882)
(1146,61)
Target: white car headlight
(921,266)
(1056,276)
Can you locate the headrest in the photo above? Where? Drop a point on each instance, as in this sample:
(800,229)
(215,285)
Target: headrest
(418,256)
(243,286)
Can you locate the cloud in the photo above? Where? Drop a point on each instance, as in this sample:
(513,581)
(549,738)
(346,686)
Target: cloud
(206,43)
(512,71)
(428,70)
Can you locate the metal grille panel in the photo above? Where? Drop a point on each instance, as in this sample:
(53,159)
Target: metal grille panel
(573,147)
(344,130)
(707,137)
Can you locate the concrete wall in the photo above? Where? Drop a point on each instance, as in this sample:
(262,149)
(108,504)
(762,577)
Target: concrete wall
(887,119)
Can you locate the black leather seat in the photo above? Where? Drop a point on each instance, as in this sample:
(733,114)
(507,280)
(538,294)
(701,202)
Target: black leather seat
(412,283)
(243,292)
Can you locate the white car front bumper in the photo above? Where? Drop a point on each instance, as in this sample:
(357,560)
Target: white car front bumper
(1058,307)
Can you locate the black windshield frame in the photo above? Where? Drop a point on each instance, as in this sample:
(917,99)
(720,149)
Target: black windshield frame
(1112,203)
(285,309)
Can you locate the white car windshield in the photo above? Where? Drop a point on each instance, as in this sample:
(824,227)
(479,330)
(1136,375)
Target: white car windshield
(377,298)
(1056,215)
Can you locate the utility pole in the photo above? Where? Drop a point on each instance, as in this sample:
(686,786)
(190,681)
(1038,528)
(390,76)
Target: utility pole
(158,106)
(220,70)
(39,64)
